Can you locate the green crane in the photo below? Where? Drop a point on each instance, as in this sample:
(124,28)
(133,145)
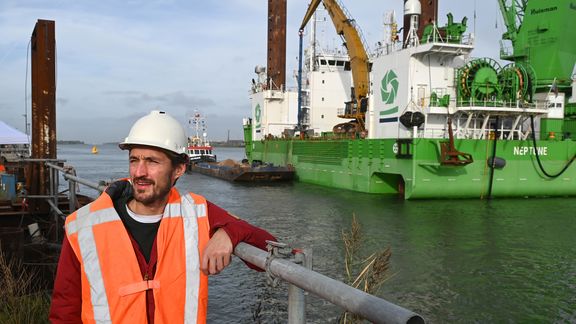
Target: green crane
(346,27)
(543,39)
(513,14)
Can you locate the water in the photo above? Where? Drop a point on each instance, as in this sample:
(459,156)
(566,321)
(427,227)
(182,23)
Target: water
(509,260)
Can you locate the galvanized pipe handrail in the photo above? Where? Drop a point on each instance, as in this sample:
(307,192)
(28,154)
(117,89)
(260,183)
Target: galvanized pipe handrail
(372,308)
(77,179)
(44,196)
(56,209)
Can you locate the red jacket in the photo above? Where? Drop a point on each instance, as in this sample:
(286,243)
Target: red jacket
(67,295)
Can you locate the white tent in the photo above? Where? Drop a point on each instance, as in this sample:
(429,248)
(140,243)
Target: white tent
(9,135)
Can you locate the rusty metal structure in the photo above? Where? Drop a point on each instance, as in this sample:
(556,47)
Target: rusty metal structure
(449,155)
(43,53)
(32,207)
(429,15)
(276,65)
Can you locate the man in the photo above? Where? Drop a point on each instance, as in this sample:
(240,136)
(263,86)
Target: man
(142,252)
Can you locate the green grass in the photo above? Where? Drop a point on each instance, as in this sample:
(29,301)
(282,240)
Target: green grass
(20,300)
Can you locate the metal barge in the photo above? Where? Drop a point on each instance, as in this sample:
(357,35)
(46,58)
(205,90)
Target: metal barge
(243,172)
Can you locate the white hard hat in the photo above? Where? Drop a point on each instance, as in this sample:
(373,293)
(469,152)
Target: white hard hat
(157,129)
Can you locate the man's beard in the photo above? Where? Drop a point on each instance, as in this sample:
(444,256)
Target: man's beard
(152,197)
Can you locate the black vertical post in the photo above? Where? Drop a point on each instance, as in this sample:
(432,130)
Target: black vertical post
(493,164)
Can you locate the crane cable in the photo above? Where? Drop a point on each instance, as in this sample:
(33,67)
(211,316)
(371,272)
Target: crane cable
(552,176)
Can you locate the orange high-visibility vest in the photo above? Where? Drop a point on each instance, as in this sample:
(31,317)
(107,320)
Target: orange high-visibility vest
(113,290)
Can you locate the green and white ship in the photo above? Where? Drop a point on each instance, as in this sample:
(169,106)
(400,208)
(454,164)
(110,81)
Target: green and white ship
(419,117)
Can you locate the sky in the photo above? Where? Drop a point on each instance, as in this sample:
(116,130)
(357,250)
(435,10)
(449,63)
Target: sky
(117,60)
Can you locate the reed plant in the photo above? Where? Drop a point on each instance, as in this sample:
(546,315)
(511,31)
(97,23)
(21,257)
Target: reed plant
(367,273)
(20,300)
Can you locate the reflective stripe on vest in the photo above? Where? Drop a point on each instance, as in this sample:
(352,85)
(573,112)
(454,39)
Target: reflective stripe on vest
(113,289)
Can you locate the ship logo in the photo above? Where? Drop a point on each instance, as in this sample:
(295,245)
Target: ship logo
(389,87)
(257,115)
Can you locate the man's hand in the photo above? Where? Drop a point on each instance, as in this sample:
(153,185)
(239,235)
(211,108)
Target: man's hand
(217,253)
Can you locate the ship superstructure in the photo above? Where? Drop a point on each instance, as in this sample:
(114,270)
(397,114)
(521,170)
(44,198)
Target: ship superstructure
(199,148)
(436,122)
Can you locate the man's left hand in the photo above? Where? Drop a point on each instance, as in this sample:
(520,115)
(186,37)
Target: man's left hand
(217,253)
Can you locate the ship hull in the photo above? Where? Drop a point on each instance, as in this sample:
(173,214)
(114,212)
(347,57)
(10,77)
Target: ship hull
(244,173)
(414,171)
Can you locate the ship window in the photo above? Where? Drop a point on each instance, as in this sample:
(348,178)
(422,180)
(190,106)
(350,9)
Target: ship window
(339,63)
(322,81)
(322,62)
(322,116)
(331,62)
(322,98)
(347,66)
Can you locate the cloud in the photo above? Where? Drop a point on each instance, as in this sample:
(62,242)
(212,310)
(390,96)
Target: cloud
(175,99)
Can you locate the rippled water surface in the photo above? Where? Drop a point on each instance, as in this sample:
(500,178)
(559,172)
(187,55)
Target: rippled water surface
(509,260)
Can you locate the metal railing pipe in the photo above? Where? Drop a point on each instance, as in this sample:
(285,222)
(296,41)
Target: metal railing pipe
(55,208)
(296,305)
(370,307)
(42,196)
(297,296)
(75,178)
(40,160)
(72,200)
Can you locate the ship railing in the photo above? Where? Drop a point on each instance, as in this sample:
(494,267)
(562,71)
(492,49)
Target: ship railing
(386,48)
(494,103)
(436,37)
(467,39)
(13,152)
(68,173)
(50,194)
(281,262)
(476,133)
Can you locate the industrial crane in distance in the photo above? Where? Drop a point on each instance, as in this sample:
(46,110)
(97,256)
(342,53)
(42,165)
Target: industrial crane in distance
(345,26)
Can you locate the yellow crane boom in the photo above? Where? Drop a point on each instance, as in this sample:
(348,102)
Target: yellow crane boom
(357,53)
